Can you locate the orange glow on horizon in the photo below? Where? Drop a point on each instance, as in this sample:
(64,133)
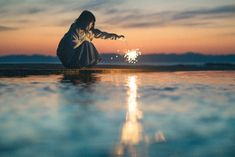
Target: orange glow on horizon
(44,40)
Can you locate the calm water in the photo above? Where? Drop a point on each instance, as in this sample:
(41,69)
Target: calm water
(181,114)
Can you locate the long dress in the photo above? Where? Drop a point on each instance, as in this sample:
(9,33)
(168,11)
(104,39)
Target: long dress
(76,50)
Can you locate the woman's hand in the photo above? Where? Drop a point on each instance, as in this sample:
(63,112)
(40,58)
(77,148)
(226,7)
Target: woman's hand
(117,37)
(121,37)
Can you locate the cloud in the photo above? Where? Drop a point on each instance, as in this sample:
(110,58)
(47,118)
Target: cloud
(65,22)
(111,13)
(228,34)
(101,4)
(224,10)
(21,9)
(75,8)
(6,28)
(33,10)
(63,11)
(138,19)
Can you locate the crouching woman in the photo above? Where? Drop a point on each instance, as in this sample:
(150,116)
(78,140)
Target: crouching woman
(75,49)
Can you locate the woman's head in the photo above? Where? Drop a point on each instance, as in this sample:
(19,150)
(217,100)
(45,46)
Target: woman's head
(86,20)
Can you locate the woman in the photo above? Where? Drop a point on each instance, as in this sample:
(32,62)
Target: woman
(75,49)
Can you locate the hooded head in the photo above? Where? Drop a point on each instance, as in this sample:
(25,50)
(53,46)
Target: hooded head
(85,19)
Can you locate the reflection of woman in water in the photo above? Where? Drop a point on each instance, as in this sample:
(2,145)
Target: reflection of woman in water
(75,49)
(84,78)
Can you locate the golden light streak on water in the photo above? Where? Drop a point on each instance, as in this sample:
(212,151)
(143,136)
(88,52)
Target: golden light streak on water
(131,55)
(132,129)
(131,133)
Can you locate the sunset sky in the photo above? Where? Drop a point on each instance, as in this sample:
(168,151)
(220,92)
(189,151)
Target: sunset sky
(153,26)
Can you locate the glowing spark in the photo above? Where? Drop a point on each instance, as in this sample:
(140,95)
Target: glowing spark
(131,55)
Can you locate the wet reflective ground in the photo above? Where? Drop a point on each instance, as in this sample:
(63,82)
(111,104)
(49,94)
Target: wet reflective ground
(176,114)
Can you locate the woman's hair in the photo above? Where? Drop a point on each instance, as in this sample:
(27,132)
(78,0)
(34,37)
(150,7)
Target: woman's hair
(85,19)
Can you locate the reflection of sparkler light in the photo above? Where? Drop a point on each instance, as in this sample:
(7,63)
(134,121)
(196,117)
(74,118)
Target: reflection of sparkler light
(132,129)
(131,55)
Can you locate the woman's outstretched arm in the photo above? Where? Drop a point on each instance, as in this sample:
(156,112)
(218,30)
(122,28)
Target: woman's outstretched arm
(104,35)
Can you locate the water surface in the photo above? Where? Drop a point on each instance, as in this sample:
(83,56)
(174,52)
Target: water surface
(179,114)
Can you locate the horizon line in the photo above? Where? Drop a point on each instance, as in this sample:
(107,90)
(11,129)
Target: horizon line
(153,53)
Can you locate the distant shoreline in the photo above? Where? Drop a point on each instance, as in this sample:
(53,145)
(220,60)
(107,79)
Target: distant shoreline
(12,70)
(112,58)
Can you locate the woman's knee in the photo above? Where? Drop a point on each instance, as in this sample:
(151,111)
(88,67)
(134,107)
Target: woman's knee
(86,42)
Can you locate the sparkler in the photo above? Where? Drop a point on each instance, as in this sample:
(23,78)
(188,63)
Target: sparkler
(131,55)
